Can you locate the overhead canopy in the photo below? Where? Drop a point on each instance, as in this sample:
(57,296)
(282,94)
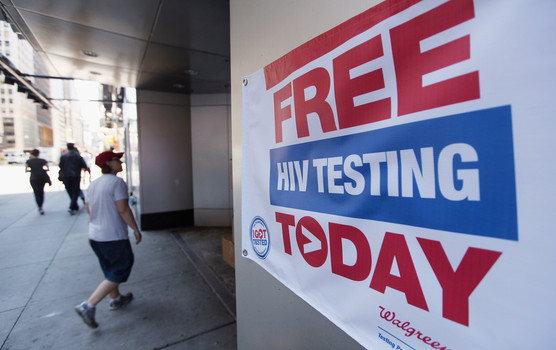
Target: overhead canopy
(180,46)
(12,75)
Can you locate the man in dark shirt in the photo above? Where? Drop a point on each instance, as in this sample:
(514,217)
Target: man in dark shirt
(71,164)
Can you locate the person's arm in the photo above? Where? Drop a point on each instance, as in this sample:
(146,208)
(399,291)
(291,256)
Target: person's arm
(88,212)
(84,164)
(127,215)
(27,167)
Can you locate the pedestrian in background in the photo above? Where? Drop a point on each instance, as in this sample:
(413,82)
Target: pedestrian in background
(85,171)
(109,217)
(38,168)
(71,164)
(87,157)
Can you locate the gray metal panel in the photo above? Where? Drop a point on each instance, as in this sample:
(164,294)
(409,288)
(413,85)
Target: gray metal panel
(135,18)
(81,69)
(178,60)
(69,40)
(163,37)
(210,71)
(201,25)
(270,316)
(165,149)
(158,82)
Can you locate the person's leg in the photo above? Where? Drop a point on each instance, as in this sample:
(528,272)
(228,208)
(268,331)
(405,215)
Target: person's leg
(86,310)
(73,192)
(36,191)
(68,185)
(82,195)
(115,292)
(40,194)
(104,288)
(75,195)
(115,259)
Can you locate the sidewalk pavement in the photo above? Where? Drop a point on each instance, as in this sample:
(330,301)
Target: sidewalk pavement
(47,267)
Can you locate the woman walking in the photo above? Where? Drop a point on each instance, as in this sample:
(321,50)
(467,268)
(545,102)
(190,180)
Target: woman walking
(38,168)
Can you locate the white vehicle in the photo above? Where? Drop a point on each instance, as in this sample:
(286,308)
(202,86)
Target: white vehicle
(16,158)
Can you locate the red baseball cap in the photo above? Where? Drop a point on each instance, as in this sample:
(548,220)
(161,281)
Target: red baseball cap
(103,157)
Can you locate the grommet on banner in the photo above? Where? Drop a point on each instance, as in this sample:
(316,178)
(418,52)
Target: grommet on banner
(244,252)
(244,81)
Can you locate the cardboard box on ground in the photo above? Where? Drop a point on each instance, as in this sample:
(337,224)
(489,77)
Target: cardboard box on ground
(228,248)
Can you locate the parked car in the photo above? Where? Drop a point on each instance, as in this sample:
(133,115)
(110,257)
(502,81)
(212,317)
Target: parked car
(16,158)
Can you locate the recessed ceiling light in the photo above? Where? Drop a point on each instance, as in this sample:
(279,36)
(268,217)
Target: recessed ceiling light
(190,72)
(178,86)
(90,53)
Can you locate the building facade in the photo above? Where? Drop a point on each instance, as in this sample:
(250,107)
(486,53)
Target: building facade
(26,125)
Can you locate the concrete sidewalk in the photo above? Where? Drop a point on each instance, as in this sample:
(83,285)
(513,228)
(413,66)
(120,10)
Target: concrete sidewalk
(47,267)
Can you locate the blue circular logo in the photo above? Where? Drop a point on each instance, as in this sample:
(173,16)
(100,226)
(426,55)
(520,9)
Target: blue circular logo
(260,237)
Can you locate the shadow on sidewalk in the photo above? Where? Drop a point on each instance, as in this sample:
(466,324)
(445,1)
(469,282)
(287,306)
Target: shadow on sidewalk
(47,267)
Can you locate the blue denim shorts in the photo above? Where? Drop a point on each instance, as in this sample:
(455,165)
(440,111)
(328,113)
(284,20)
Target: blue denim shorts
(115,258)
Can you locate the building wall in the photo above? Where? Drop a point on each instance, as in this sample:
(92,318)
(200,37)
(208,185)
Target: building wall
(15,107)
(211,154)
(164,126)
(269,316)
(184,160)
(129,112)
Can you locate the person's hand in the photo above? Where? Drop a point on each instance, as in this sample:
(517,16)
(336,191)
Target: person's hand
(138,237)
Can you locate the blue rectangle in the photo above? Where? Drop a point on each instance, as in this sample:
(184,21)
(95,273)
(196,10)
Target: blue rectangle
(467,195)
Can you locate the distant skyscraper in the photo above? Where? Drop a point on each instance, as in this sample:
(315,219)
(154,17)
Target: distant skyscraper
(18,113)
(24,124)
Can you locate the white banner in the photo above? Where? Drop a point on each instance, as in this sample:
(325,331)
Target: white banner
(398,174)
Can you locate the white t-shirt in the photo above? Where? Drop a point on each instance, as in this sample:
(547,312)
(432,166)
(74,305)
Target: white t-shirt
(105,222)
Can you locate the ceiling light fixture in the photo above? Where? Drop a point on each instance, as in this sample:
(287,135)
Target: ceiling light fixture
(178,86)
(190,72)
(90,53)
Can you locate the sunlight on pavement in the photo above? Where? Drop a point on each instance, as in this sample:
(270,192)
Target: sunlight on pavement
(14,179)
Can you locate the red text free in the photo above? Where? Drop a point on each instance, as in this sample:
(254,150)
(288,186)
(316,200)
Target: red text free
(410,66)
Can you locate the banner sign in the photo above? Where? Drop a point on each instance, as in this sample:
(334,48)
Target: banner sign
(389,169)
